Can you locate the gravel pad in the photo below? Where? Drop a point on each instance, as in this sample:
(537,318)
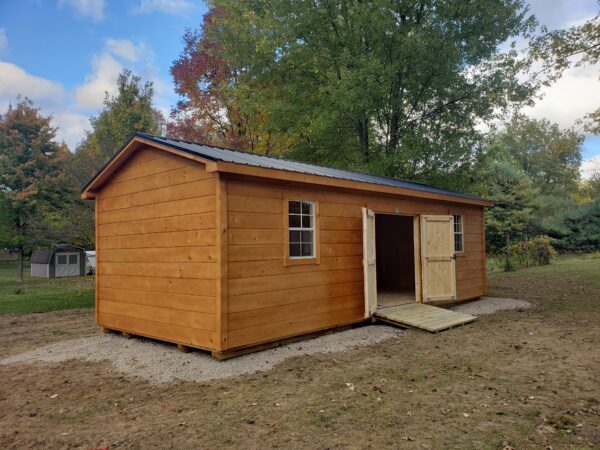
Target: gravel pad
(490,305)
(160,362)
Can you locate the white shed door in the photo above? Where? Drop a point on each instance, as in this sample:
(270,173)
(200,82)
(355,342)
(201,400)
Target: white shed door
(66,264)
(369,263)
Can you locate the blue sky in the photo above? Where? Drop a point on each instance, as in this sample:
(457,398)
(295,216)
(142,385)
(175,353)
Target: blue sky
(64,54)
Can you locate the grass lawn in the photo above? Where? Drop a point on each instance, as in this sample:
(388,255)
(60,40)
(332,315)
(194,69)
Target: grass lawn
(511,380)
(41,294)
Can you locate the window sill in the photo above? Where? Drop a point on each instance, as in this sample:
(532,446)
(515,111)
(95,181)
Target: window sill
(300,261)
(459,255)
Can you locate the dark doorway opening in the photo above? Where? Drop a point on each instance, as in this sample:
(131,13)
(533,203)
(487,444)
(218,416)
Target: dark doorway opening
(395,260)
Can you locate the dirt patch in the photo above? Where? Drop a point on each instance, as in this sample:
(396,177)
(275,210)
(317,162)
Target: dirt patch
(19,333)
(519,379)
(158,362)
(490,305)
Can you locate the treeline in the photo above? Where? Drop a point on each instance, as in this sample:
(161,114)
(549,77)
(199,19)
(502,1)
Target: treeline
(401,89)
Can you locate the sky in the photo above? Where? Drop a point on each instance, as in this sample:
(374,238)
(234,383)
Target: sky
(64,55)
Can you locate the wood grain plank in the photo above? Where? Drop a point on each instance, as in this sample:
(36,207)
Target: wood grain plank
(189,222)
(160,240)
(182,191)
(205,271)
(172,333)
(167,285)
(157,210)
(196,303)
(153,255)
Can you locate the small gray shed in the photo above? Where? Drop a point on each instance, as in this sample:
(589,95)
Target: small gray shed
(59,261)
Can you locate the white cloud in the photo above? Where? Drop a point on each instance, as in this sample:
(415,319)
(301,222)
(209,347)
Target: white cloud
(94,9)
(174,7)
(71,127)
(590,166)
(125,49)
(89,96)
(106,68)
(15,81)
(570,98)
(3,42)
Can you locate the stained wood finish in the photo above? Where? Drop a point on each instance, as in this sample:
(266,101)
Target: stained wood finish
(268,301)
(159,251)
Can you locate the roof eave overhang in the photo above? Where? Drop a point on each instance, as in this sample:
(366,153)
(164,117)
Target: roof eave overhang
(89,191)
(282,175)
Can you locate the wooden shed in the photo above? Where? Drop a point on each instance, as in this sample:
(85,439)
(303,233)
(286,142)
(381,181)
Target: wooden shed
(224,250)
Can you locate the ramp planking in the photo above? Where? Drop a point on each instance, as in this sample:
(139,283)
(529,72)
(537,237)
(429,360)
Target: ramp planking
(425,317)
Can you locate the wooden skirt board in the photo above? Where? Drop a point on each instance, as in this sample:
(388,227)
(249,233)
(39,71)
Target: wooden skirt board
(425,317)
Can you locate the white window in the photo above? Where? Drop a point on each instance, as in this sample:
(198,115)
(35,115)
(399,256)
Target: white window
(301,229)
(458,234)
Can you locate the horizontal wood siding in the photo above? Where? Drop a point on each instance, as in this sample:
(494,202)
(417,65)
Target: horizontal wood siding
(268,300)
(156,250)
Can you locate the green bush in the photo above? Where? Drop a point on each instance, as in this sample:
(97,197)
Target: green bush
(533,252)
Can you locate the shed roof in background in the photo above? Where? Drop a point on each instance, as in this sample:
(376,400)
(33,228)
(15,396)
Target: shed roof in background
(44,255)
(41,256)
(223,155)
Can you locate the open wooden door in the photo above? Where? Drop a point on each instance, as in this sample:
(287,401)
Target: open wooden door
(437,258)
(370,269)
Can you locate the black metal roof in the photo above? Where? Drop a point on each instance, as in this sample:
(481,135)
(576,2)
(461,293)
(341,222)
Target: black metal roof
(44,255)
(219,154)
(41,256)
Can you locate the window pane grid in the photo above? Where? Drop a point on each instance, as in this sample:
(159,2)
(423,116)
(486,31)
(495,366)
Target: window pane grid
(301,229)
(458,233)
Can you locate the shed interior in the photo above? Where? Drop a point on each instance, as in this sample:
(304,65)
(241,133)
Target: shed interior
(394,242)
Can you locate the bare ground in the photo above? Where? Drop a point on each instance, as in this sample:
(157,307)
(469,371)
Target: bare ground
(522,379)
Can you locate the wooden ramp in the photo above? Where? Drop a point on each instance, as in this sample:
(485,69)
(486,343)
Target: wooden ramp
(425,317)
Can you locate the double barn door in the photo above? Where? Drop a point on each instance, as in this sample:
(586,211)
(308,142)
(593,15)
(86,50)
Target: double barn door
(436,256)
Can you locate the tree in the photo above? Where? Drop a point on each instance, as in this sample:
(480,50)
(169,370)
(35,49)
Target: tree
(512,215)
(559,50)
(32,180)
(392,87)
(130,110)
(550,157)
(581,230)
(206,111)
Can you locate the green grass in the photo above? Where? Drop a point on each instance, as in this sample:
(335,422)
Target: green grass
(41,294)
(585,268)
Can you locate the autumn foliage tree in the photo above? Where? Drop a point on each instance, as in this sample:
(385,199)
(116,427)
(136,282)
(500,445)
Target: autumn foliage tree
(207,111)
(32,180)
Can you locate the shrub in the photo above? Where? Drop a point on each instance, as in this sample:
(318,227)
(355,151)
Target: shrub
(533,252)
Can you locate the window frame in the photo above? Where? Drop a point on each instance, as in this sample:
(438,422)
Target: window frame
(461,233)
(300,260)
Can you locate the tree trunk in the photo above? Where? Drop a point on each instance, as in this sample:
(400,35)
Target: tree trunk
(394,131)
(507,264)
(363,138)
(20,264)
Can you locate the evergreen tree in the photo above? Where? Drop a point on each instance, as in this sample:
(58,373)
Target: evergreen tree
(512,215)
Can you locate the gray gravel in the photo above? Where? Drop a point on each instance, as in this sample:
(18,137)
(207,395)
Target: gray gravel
(490,305)
(159,363)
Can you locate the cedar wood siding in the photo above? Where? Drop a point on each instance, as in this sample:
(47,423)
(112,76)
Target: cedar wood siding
(267,301)
(156,249)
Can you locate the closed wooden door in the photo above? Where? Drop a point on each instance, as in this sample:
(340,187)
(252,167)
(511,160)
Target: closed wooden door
(437,258)
(369,261)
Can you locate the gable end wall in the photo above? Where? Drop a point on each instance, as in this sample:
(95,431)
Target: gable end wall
(156,250)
